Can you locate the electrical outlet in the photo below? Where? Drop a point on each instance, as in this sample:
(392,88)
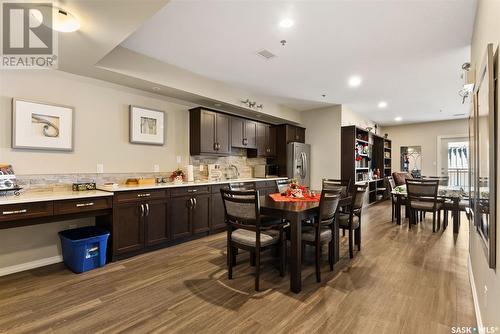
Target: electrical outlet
(100,168)
(156,168)
(201,168)
(179,159)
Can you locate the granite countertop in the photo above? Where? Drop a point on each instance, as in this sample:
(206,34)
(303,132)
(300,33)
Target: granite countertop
(184,184)
(28,196)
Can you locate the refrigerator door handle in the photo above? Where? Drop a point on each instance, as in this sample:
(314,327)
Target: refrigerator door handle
(303,171)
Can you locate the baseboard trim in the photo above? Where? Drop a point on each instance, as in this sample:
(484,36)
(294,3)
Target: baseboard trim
(474,297)
(30,265)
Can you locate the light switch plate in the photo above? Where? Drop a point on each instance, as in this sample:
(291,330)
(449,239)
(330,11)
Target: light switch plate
(156,168)
(100,168)
(179,159)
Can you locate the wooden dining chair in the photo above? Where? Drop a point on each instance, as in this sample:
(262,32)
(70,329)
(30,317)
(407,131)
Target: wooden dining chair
(351,220)
(242,186)
(392,185)
(248,230)
(443,180)
(332,184)
(322,229)
(422,197)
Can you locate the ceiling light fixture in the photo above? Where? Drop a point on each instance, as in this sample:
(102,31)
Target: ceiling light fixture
(382,104)
(398,119)
(354,81)
(155,88)
(64,21)
(286,23)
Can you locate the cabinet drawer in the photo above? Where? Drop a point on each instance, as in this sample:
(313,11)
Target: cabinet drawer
(216,188)
(25,211)
(182,191)
(82,205)
(138,196)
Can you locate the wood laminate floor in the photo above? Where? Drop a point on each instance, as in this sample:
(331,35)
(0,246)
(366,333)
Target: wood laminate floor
(401,282)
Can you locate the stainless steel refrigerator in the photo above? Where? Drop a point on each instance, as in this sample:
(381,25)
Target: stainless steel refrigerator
(298,162)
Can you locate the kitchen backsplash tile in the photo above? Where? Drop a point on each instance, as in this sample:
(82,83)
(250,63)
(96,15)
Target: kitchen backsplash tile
(44,182)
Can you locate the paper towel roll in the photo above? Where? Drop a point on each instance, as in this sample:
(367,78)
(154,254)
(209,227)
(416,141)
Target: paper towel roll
(190,173)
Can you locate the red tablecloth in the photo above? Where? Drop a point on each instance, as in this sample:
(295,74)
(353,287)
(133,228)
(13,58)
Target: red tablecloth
(279,198)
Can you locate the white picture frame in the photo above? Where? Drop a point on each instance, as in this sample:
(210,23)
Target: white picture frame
(147,126)
(39,125)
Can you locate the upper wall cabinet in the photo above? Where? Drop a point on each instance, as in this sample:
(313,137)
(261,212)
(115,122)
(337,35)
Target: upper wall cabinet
(209,132)
(266,140)
(295,133)
(243,133)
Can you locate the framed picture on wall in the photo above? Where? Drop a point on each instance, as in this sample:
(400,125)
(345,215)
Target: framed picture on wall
(147,126)
(41,126)
(484,138)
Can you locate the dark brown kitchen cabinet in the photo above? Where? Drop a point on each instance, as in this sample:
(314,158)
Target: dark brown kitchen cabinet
(209,132)
(266,140)
(295,133)
(140,220)
(156,223)
(190,215)
(243,133)
(217,210)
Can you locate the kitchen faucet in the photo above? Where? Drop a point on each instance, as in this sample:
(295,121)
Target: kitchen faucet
(236,172)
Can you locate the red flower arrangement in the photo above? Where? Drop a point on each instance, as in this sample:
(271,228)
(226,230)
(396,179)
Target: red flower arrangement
(176,173)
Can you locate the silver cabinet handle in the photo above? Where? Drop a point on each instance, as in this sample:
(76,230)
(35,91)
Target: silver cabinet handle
(192,190)
(14,212)
(143,195)
(195,202)
(147,210)
(189,203)
(79,205)
(142,210)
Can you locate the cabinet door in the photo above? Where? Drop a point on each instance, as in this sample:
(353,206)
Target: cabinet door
(217,213)
(200,214)
(222,127)
(179,217)
(261,139)
(290,133)
(237,132)
(250,134)
(156,223)
(207,132)
(300,135)
(128,229)
(271,141)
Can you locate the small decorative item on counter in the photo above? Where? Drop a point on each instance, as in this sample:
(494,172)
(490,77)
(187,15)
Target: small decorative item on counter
(8,182)
(177,176)
(132,182)
(111,185)
(84,186)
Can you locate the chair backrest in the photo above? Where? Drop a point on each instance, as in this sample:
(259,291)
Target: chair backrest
(422,190)
(443,180)
(358,197)
(392,184)
(400,177)
(334,184)
(241,186)
(328,205)
(282,185)
(241,208)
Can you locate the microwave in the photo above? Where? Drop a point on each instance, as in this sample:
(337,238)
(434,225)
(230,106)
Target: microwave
(265,171)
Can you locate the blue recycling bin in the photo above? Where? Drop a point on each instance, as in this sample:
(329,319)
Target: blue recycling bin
(84,248)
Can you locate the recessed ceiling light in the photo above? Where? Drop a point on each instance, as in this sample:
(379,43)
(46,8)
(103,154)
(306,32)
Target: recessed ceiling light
(155,88)
(354,81)
(382,104)
(64,21)
(398,119)
(286,23)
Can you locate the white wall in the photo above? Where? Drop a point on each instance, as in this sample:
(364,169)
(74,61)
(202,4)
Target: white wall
(486,30)
(101,135)
(101,125)
(424,135)
(350,117)
(323,133)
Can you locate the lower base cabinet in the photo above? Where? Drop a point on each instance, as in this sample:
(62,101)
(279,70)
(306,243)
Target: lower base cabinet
(145,220)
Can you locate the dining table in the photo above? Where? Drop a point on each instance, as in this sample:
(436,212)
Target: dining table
(451,193)
(296,212)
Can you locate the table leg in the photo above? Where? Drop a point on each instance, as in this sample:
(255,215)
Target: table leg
(295,254)
(456,215)
(398,210)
